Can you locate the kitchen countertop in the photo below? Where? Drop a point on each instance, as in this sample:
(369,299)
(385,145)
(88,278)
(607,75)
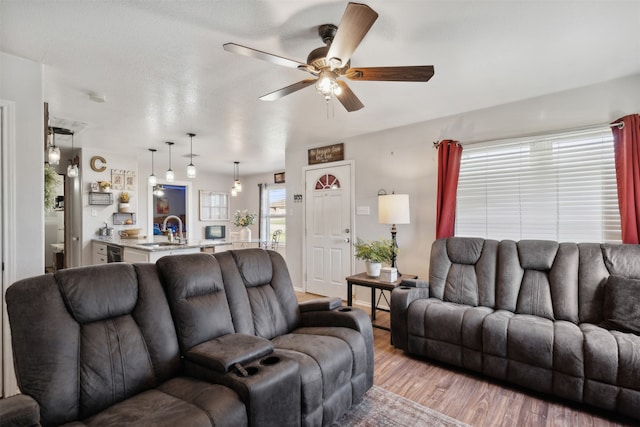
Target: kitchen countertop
(145,244)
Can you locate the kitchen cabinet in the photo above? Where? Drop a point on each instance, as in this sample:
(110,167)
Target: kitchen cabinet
(132,255)
(99,253)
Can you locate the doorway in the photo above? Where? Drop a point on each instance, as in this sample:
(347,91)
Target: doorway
(329,228)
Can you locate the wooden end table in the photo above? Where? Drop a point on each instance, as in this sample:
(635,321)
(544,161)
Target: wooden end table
(374,283)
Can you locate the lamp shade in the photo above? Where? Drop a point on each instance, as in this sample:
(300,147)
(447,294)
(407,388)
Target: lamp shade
(393,209)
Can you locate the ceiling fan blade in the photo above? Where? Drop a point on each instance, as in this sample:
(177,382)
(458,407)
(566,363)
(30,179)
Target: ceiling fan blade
(258,54)
(420,73)
(273,96)
(356,22)
(347,98)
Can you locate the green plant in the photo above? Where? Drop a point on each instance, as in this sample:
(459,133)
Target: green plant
(375,250)
(244,218)
(51,178)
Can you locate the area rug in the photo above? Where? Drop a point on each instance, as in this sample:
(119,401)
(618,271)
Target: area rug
(382,408)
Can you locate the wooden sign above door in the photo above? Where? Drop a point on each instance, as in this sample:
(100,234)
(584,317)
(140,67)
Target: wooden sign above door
(329,153)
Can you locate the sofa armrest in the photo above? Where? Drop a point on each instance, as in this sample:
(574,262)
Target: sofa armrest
(222,353)
(19,411)
(414,283)
(320,304)
(345,317)
(401,299)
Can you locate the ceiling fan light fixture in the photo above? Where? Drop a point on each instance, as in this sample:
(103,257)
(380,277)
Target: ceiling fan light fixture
(158,190)
(327,85)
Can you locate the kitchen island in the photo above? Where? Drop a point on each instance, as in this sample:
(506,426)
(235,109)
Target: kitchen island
(147,250)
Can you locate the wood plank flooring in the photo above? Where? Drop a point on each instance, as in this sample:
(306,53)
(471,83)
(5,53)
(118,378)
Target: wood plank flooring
(470,397)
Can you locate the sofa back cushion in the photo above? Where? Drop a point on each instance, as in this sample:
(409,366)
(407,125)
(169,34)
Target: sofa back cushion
(197,296)
(538,277)
(260,292)
(93,335)
(463,270)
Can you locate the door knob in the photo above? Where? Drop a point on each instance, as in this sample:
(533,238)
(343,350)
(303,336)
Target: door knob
(346,240)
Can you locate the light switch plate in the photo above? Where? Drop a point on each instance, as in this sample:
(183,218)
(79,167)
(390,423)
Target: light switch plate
(362,210)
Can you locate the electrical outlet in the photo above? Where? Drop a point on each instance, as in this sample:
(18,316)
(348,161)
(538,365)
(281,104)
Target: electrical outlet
(94,212)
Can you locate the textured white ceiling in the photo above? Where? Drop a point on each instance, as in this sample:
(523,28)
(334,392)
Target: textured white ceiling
(164,73)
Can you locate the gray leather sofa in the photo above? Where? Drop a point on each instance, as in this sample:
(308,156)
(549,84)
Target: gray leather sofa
(195,340)
(559,318)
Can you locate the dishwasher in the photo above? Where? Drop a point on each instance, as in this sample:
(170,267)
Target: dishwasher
(114,253)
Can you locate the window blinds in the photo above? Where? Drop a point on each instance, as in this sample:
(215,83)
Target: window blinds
(556,187)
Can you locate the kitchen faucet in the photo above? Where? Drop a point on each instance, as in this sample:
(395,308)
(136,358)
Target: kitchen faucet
(164,226)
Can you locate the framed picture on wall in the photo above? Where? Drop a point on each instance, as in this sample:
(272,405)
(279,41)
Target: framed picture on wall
(278,178)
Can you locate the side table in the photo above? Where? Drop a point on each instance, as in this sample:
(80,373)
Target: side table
(374,283)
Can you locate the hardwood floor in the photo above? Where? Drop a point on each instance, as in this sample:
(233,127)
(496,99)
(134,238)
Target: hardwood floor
(470,397)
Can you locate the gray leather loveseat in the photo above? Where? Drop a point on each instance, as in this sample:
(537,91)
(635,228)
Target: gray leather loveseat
(559,318)
(195,340)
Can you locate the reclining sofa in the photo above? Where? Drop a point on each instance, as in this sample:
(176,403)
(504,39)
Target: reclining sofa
(196,340)
(559,318)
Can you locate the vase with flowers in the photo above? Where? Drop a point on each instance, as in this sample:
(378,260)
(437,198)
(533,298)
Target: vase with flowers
(243,219)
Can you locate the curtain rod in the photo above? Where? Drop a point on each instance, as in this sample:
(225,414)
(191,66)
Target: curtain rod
(619,125)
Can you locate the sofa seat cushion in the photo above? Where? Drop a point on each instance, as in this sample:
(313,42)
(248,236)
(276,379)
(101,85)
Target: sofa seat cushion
(612,370)
(326,366)
(457,338)
(179,401)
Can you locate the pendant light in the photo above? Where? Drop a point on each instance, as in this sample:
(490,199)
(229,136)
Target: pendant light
(72,169)
(54,151)
(234,189)
(191,169)
(236,177)
(152,178)
(169,176)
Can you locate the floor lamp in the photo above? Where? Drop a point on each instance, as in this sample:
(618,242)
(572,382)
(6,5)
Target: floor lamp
(393,209)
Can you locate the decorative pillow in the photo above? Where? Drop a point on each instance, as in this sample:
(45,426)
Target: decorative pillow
(622,304)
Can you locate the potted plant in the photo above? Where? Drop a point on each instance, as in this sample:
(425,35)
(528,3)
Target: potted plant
(244,219)
(374,253)
(123,198)
(105,186)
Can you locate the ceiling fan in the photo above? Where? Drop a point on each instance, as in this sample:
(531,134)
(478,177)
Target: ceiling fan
(331,62)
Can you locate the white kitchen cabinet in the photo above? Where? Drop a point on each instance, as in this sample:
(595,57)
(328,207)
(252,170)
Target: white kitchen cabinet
(99,253)
(138,255)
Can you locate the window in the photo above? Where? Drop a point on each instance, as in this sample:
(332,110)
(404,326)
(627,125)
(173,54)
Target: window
(555,187)
(276,212)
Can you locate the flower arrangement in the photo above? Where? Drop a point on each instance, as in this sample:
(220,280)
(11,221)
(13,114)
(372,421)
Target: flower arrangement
(244,219)
(124,197)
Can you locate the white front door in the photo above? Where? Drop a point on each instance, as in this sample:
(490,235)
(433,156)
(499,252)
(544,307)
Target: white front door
(329,228)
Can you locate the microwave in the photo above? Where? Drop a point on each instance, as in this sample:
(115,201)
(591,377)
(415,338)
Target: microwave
(212,232)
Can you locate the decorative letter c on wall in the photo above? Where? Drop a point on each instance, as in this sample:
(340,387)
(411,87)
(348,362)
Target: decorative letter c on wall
(102,168)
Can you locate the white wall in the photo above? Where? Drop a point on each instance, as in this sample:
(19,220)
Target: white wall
(21,85)
(21,82)
(403,159)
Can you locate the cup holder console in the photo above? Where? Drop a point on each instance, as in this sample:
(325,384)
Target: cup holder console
(271,360)
(344,309)
(405,287)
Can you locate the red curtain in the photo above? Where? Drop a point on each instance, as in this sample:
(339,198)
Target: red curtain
(626,144)
(449,154)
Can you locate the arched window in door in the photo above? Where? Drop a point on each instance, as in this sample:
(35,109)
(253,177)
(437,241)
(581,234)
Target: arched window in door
(327,182)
